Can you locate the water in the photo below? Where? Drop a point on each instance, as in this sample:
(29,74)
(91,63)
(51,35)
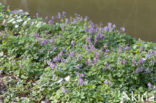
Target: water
(138,16)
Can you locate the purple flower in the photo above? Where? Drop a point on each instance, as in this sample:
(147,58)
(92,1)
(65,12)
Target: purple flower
(81,75)
(88,39)
(72,53)
(55,59)
(120,49)
(64,90)
(50,64)
(106,82)
(97,55)
(79,56)
(154,88)
(28,46)
(37,15)
(66,21)
(113,27)
(85,29)
(127,47)
(147,70)
(63,49)
(60,54)
(124,61)
(106,64)
(88,62)
(95,41)
(78,66)
(141,61)
(105,52)
(43,42)
(64,13)
(59,15)
(36,35)
(149,85)
(80,81)
(50,22)
(94,60)
(77,15)
(138,70)
(72,42)
(106,29)
(134,61)
(91,30)
(52,18)
(122,29)
(109,25)
(77,73)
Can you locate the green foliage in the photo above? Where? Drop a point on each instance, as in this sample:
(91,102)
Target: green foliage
(71,61)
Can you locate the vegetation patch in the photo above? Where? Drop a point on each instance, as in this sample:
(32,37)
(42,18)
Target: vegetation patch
(72,60)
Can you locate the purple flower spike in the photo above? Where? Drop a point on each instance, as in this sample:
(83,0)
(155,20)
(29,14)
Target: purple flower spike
(81,75)
(107,65)
(88,62)
(109,25)
(141,61)
(72,42)
(85,29)
(124,61)
(50,22)
(134,61)
(77,15)
(95,41)
(138,70)
(120,49)
(59,15)
(77,73)
(37,15)
(106,82)
(55,59)
(154,88)
(80,57)
(122,29)
(50,64)
(80,81)
(97,55)
(91,30)
(43,42)
(147,70)
(106,29)
(113,27)
(52,18)
(28,46)
(78,66)
(94,60)
(105,52)
(72,53)
(64,13)
(149,85)
(66,21)
(64,90)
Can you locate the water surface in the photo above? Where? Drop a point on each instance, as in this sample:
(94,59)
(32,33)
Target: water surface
(138,16)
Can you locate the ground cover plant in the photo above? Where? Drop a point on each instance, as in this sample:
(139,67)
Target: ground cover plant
(71,60)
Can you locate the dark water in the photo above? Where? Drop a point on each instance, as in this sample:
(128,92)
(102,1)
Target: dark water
(138,16)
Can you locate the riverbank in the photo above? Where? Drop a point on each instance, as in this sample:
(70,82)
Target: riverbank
(72,60)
